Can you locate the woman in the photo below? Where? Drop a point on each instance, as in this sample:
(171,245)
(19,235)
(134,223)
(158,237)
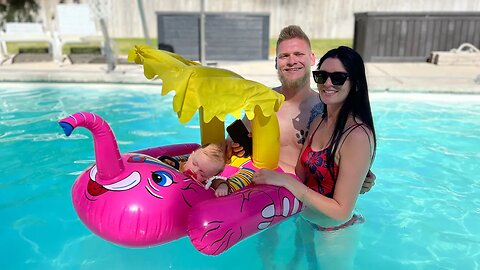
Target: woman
(339,149)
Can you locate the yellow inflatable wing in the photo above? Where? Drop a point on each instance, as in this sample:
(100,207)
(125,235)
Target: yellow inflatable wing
(215,93)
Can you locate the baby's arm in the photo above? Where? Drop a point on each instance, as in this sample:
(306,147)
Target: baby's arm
(221,190)
(220,186)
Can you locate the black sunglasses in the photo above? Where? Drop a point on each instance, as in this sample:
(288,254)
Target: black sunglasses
(337,78)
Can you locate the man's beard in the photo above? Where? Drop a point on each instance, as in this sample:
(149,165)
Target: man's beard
(293,84)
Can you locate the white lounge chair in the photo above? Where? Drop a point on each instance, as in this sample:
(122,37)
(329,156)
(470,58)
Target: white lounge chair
(25,32)
(76,24)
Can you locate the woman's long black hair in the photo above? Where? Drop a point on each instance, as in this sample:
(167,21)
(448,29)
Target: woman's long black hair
(357,102)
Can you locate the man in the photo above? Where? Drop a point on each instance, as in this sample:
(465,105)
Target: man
(302,104)
(294,58)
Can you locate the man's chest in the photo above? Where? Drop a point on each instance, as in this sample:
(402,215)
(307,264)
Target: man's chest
(293,127)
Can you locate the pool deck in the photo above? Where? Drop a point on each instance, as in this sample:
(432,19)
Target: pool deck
(392,77)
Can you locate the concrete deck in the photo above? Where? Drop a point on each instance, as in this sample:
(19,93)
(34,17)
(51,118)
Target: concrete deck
(394,77)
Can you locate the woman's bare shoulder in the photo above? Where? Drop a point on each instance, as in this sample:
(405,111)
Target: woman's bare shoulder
(359,137)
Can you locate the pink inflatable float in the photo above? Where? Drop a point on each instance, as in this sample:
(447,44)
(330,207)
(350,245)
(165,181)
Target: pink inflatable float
(135,200)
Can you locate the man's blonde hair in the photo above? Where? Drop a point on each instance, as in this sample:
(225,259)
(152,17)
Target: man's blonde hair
(291,32)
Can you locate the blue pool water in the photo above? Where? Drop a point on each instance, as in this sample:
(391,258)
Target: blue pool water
(423,213)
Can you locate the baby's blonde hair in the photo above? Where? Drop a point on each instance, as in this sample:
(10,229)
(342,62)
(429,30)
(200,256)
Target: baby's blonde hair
(215,151)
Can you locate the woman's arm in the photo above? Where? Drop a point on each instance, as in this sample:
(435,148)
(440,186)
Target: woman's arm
(353,167)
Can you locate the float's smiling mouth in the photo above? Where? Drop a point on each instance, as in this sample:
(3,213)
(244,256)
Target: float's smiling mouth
(95,189)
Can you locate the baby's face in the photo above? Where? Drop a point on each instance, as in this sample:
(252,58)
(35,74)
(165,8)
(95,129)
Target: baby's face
(200,167)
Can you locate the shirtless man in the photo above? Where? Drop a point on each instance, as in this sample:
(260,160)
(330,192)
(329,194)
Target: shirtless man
(302,104)
(294,57)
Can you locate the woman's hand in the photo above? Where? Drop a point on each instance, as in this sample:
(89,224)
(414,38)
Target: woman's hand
(288,181)
(269,177)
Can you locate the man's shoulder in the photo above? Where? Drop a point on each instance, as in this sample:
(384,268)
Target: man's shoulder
(313,101)
(317,106)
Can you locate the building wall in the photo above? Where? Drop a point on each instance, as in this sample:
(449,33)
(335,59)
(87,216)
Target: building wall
(318,18)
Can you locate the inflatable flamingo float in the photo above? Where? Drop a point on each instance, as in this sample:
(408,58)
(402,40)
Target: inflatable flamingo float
(135,200)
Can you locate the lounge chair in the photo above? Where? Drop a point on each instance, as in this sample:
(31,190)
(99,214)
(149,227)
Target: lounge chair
(25,32)
(465,55)
(76,24)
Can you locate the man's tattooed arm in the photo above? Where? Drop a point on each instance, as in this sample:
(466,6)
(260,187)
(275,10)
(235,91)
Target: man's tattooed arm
(316,111)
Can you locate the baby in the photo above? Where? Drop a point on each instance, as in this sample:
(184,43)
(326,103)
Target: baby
(203,165)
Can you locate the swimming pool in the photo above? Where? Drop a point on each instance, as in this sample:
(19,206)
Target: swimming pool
(423,213)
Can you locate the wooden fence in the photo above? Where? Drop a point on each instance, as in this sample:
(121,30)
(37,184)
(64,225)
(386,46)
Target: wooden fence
(407,37)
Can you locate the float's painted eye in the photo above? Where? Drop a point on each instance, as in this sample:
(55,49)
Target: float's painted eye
(162,178)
